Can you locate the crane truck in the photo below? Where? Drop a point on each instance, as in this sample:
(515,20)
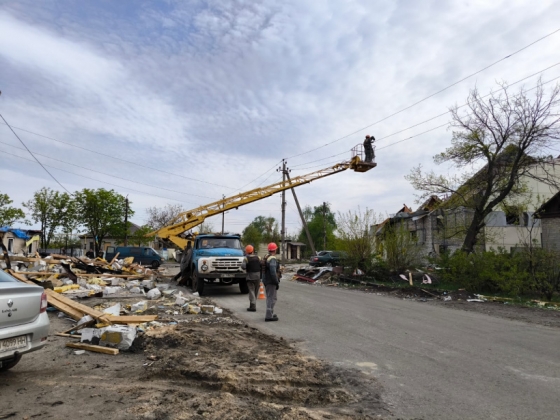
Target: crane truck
(218,258)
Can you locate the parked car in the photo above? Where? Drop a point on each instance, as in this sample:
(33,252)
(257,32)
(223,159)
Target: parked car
(142,254)
(328,258)
(24,323)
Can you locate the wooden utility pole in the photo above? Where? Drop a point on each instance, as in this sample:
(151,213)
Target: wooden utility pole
(126,222)
(223,216)
(302,218)
(324,225)
(283,231)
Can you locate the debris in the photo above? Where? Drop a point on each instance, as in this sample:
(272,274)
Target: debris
(114,310)
(90,347)
(447,298)
(207,309)
(119,336)
(474,300)
(153,294)
(77,352)
(139,306)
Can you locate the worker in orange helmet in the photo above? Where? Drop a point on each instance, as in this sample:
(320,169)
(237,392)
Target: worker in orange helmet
(252,264)
(271,280)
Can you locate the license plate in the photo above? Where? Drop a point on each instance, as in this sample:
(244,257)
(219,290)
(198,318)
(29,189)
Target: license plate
(227,275)
(13,343)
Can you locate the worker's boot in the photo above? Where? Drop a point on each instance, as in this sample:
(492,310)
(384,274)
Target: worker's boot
(252,307)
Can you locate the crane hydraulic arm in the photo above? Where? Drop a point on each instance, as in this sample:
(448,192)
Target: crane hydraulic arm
(192,218)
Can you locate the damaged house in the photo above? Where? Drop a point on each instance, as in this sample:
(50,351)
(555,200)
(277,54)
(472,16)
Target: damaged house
(440,225)
(20,241)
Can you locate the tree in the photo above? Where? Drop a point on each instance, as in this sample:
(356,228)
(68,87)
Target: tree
(159,217)
(261,229)
(356,239)
(139,238)
(321,222)
(400,247)
(52,210)
(510,135)
(102,213)
(8,214)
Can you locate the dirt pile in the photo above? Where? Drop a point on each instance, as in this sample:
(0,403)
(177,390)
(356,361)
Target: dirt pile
(238,372)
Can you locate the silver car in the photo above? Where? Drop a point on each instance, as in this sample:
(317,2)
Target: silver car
(24,323)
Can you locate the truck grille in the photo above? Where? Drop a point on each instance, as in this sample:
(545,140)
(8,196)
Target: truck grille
(226,264)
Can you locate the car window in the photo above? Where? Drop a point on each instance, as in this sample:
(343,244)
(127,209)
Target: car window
(323,253)
(6,278)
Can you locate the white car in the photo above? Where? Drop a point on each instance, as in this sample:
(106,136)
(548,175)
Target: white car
(24,323)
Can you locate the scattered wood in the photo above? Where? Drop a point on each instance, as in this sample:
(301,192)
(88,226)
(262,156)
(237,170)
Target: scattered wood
(69,335)
(91,347)
(114,258)
(431,294)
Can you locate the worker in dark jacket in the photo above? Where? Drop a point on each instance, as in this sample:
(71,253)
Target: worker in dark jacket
(184,271)
(368,148)
(252,264)
(271,280)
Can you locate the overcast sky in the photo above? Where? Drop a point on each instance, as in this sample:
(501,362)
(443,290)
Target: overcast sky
(206,97)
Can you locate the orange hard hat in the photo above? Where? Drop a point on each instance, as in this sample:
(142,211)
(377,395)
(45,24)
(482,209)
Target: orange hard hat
(249,249)
(272,246)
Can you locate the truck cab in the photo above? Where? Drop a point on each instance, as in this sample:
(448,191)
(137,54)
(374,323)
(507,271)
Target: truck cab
(217,259)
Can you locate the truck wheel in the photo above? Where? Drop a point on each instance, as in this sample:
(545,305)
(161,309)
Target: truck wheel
(8,364)
(243,287)
(197,284)
(155,265)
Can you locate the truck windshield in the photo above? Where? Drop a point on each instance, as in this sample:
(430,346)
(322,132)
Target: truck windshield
(208,243)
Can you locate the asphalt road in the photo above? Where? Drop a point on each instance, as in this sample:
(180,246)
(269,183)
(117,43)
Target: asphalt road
(434,362)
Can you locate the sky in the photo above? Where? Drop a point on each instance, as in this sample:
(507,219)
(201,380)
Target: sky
(182,102)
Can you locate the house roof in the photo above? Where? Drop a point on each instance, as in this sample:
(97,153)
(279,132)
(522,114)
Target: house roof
(550,208)
(17,232)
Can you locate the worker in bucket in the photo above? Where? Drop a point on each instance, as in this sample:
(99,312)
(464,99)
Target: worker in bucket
(271,280)
(252,264)
(368,148)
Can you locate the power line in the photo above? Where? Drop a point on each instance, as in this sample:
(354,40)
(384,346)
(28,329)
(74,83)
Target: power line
(425,121)
(427,97)
(104,182)
(119,159)
(264,173)
(111,175)
(37,160)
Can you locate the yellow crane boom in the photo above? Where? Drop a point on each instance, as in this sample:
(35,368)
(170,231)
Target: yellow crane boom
(192,218)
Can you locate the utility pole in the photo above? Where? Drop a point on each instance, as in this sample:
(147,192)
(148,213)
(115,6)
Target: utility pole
(302,218)
(283,229)
(324,225)
(126,222)
(223,215)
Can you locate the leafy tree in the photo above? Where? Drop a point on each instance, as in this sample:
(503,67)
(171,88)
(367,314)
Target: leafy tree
(139,238)
(321,222)
(8,214)
(400,247)
(510,135)
(102,213)
(159,217)
(251,235)
(261,229)
(355,238)
(52,210)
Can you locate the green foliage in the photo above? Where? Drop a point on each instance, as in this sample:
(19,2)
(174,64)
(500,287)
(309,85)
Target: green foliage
(261,230)
(52,210)
(8,214)
(355,239)
(102,213)
(320,221)
(401,249)
(139,238)
(532,271)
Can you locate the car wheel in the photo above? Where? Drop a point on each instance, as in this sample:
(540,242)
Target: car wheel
(243,286)
(155,265)
(197,284)
(8,364)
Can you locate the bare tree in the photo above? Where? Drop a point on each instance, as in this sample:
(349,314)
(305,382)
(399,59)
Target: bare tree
(159,217)
(511,135)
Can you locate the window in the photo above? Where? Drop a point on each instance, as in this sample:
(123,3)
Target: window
(11,244)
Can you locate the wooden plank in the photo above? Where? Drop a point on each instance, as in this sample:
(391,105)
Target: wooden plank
(132,319)
(69,335)
(91,347)
(114,258)
(43,273)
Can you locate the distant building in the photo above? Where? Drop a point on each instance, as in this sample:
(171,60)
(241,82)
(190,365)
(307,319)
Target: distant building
(88,242)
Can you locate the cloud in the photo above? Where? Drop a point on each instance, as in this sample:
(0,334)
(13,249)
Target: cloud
(221,92)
